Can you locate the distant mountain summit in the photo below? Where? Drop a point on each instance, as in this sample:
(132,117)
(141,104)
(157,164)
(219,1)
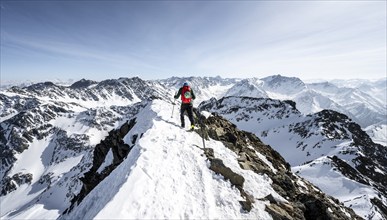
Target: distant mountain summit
(82,84)
(40,86)
(248,87)
(283,85)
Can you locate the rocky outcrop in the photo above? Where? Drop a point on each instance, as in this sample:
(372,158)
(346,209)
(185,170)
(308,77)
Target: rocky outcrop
(30,122)
(236,180)
(27,125)
(114,143)
(370,164)
(11,183)
(378,203)
(82,84)
(308,203)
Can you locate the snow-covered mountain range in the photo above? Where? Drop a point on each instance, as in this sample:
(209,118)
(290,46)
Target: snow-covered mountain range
(326,148)
(364,101)
(113,149)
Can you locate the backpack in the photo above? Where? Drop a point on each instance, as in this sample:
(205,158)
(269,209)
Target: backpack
(186,96)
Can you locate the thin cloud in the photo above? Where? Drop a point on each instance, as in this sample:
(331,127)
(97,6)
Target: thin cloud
(166,38)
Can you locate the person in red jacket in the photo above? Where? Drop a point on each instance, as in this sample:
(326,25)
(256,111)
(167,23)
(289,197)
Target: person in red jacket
(187,95)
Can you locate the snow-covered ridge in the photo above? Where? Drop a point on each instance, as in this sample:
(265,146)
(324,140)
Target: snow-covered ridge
(247,87)
(146,160)
(283,85)
(120,92)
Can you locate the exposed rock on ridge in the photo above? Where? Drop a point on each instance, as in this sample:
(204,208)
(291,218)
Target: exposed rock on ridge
(304,202)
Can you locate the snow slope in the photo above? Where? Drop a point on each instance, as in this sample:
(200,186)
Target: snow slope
(378,132)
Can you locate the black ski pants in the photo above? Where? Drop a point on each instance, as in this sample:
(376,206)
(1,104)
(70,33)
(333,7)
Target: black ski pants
(189,108)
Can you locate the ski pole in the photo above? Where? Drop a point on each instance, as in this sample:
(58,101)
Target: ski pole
(173,108)
(197,113)
(202,129)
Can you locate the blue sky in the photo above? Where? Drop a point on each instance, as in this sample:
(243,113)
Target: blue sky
(45,40)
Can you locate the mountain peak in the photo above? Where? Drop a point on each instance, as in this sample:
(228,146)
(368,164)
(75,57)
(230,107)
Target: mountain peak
(83,83)
(41,86)
(283,85)
(279,78)
(251,87)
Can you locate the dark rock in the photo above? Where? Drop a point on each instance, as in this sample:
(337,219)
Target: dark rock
(315,208)
(11,183)
(218,167)
(124,130)
(277,213)
(82,84)
(291,103)
(379,204)
(348,170)
(209,152)
(271,199)
(246,205)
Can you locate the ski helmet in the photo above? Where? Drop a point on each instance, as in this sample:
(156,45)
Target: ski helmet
(185,84)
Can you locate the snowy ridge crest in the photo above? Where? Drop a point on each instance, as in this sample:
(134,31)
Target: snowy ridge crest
(87,93)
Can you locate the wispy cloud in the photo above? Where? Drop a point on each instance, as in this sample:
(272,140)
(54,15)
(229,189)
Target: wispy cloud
(160,39)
